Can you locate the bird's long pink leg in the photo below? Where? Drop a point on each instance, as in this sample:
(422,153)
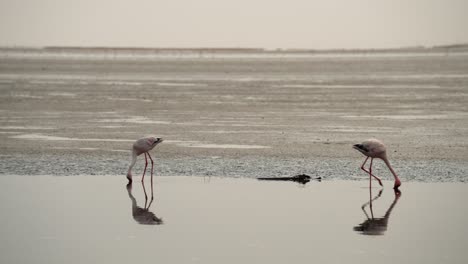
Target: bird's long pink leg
(364,169)
(370,188)
(152,164)
(364,163)
(370,176)
(146,165)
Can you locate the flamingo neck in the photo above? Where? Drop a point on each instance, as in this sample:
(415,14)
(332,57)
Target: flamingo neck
(134,158)
(390,167)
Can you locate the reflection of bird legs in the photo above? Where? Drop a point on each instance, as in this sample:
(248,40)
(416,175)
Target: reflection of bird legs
(370,203)
(143,215)
(376,225)
(389,210)
(397,196)
(146,196)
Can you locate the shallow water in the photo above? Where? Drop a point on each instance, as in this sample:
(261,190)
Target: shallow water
(89,219)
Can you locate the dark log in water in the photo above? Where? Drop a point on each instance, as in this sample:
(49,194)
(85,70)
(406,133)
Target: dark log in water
(301,178)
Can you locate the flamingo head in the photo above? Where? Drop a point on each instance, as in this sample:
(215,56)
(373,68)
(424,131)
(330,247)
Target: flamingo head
(361,148)
(155,140)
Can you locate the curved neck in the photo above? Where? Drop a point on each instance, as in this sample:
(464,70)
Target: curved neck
(389,166)
(134,158)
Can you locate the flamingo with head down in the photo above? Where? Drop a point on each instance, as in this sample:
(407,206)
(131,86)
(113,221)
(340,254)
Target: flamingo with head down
(143,146)
(374,148)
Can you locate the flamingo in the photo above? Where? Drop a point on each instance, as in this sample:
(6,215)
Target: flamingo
(143,146)
(374,148)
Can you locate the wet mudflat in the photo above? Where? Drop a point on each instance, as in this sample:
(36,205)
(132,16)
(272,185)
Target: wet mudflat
(234,115)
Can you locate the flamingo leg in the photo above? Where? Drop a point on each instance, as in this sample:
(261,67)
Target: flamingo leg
(152,165)
(363,207)
(146,165)
(370,173)
(370,188)
(364,169)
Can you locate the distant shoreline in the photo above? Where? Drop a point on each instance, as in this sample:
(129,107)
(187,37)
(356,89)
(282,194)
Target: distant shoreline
(149,50)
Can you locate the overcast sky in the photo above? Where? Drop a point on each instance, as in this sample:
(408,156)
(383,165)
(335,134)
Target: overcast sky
(236,23)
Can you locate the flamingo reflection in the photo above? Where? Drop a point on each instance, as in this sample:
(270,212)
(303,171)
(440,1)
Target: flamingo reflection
(376,226)
(142,214)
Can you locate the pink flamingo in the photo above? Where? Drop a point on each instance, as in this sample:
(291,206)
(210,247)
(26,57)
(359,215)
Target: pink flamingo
(143,145)
(374,148)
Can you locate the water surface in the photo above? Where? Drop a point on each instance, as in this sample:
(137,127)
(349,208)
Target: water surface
(91,219)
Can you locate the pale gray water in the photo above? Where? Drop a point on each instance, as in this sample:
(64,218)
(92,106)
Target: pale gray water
(89,219)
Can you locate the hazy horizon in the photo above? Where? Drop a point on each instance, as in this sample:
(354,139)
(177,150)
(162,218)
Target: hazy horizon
(449,45)
(293,24)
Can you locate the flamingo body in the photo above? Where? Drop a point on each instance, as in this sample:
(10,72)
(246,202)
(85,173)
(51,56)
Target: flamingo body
(143,146)
(374,148)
